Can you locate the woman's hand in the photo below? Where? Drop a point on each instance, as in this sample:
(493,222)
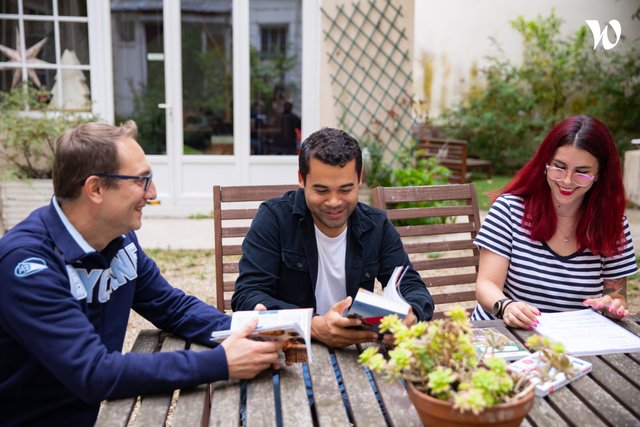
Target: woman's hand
(613,302)
(521,315)
(615,308)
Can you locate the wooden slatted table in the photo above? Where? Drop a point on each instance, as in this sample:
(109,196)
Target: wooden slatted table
(273,398)
(608,396)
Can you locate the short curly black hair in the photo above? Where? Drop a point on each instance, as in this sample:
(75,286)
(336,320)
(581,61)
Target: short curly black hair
(332,146)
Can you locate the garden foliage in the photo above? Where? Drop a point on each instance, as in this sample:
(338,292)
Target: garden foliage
(510,107)
(29,129)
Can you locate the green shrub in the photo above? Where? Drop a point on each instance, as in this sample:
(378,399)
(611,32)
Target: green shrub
(29,129)
(508,111)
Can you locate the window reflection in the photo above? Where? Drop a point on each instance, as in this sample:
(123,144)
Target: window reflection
(138,71)
(207,78)
(61,74)
(276,45)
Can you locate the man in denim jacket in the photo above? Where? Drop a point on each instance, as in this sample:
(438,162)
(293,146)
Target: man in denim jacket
(316,246)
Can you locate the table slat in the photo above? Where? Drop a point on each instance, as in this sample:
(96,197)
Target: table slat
(225,404)
(329,407)
(192,406)
(616,385)
(362,399)
(261,401)
(293,397)
(599,399)
(116,413)
(543,414)
(400,410)
(572,408)
(154,409)
(625,365)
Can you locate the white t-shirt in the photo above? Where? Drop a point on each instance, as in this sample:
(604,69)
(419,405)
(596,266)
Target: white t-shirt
(331,285)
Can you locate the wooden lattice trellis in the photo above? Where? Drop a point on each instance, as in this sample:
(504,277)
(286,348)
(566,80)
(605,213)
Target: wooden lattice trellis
(368,50)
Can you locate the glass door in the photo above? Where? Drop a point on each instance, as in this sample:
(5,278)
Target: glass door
(138,72)
(207,77)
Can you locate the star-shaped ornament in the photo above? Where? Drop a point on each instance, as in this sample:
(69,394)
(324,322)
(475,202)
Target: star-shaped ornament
(30,58)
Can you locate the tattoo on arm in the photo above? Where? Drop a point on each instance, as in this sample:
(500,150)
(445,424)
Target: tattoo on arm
(615,288)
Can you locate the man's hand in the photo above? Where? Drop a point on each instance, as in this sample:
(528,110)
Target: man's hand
(331,328)
(246,358)
(259,307)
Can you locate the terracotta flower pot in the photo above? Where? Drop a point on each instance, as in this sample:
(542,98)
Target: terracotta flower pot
(434,412)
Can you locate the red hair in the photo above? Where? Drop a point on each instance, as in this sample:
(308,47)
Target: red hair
(600,227)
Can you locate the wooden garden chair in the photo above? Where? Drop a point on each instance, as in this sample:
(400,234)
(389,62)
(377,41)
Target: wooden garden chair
(233,210)
(443,251)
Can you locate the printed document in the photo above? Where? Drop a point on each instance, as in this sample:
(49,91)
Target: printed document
(587,332)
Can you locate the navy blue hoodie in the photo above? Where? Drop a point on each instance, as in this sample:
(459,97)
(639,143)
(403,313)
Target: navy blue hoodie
(64,310)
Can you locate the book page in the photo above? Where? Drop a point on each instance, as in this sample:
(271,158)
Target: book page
(293,326)
(586,332)
(392,290)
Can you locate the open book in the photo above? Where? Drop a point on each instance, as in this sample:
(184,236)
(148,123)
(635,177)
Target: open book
(587,332)
(490,342)
(529,365)
(371,307)
(292,326)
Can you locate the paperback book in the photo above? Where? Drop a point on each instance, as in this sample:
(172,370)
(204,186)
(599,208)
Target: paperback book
(292,327)
(490,342)
(372,307)
(531,365)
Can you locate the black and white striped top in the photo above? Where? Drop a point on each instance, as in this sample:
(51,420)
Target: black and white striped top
(539,276)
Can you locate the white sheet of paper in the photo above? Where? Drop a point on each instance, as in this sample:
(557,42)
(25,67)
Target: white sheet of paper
(586,332)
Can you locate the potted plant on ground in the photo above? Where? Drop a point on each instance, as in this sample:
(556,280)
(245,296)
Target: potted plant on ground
(447,382)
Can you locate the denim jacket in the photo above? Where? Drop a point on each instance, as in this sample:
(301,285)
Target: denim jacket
(279,265)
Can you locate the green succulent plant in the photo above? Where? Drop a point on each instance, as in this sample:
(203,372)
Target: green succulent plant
(439,359)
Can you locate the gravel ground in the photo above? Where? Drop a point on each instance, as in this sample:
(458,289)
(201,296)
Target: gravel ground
(189,270)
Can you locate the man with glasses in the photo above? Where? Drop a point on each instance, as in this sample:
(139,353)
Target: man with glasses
(69,275)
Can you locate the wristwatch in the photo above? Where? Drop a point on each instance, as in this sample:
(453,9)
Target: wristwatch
(498,307)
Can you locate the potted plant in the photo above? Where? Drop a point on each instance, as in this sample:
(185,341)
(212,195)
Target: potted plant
(28,131)
(446,380)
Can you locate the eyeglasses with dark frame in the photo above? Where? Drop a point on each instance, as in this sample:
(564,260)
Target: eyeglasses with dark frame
(579,179)
(145,179)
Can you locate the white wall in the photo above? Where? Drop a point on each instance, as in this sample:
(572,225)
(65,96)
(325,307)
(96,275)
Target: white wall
(456,34)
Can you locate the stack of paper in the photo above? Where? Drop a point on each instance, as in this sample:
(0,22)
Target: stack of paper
(587,332)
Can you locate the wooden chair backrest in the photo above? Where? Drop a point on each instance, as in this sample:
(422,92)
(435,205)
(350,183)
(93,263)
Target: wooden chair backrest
(451,153)
(233,210)
(443,253)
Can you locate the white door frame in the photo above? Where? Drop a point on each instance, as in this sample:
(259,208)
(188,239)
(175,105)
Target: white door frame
(184,181)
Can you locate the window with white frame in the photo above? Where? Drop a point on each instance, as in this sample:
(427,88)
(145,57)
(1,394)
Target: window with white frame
(45,43)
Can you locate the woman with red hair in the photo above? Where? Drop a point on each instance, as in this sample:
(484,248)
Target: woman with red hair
(556,239)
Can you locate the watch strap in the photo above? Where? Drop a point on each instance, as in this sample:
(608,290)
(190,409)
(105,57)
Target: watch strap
(504,307)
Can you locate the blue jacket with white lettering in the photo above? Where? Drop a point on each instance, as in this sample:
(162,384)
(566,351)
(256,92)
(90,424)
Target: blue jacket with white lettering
(63,317)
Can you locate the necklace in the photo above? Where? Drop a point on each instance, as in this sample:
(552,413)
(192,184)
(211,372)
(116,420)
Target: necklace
(566,238)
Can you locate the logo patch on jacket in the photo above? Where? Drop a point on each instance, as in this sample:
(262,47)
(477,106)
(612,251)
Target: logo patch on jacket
(29,266)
